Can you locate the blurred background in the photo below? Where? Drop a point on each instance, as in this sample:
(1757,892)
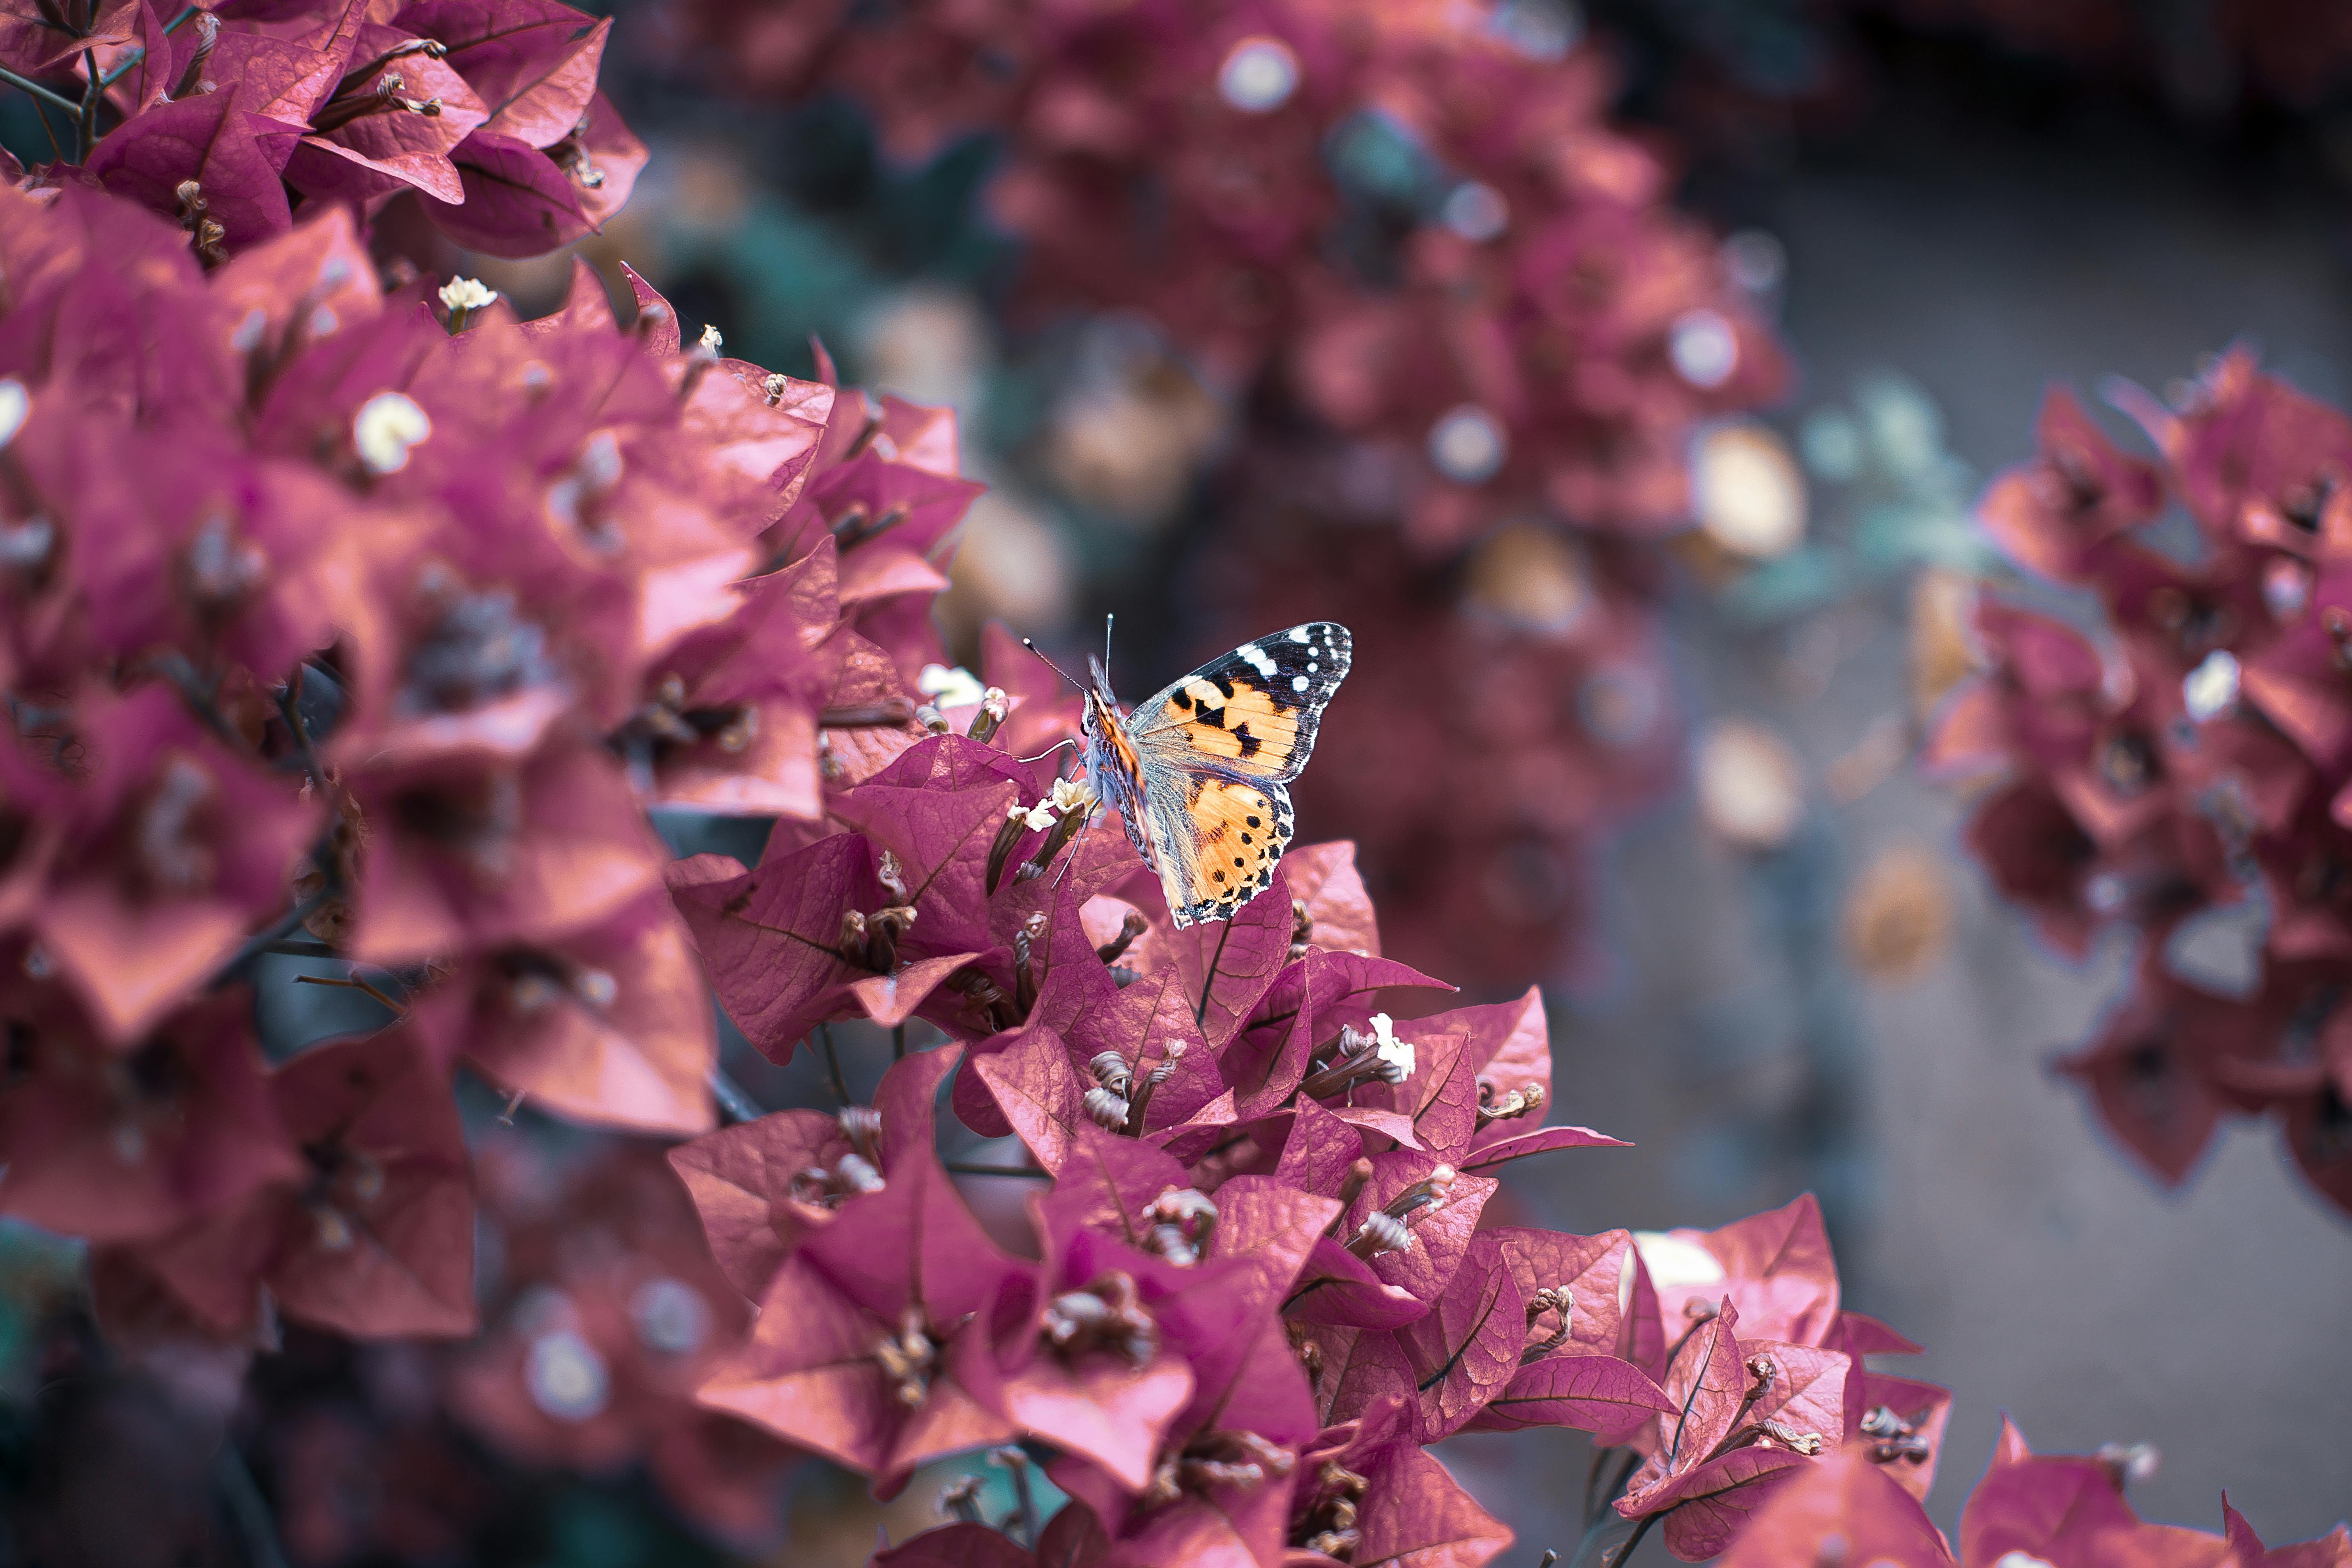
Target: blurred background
(1644,480)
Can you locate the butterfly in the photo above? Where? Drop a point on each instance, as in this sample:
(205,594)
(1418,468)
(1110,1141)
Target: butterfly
(1196,772)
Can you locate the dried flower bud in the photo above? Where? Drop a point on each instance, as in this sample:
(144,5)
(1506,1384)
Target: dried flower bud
(1106,1110)
(1130,926)
(1381,1233)
(994,707)
(893,877)
(1110,1071)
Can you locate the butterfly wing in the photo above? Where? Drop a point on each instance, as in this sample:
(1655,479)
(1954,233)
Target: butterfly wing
(1249,714)
(1212,754)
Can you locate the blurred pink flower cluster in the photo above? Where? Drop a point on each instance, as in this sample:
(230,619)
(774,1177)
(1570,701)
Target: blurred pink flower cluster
(235,119)
(334,631)
(1413,216)
(2187,772)
(1527,683)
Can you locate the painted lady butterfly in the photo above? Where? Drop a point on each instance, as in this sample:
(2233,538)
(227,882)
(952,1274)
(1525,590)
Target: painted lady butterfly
(1196,772)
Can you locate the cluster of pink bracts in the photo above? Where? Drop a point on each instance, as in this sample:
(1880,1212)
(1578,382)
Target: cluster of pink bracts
(2195,757)
(324,625)
(233,119)
(1492,290)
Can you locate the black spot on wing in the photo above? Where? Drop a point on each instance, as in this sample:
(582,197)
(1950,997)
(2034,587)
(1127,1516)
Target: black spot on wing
(1181,703)
(1248,743)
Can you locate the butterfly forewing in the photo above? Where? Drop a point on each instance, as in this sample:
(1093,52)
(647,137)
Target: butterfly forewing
(1251,714)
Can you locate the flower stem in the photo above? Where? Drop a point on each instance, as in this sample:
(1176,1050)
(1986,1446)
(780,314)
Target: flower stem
(248,1509)
(269,938)
(89,101)
(972,1168)
(733,1102)
(53,98)
(1625,1554)
(833,1063)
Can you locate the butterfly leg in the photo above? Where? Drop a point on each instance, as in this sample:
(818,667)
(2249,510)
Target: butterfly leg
(1077,844)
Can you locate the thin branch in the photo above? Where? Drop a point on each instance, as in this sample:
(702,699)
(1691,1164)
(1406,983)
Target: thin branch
(1624,1554)
(968,1168)
(90,101)
(353,984)
(25,84)
(268,938)
(899,1042)
(734,1102)
(833,1063)
(248,1509)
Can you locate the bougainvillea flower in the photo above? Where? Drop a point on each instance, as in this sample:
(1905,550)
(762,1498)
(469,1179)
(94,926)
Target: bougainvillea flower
(608,1312)
(118,1144)
(1897,1423)
(2069,1510)
(1221,1482)
(233,152)
(855,1352)
(608,1024)
(2330,1550)
(1300,1015)
(1369,1493)
(1776,1267)
(1846,1500)
(760,1186)
(472,849)
(175,846)
(1571,1367)
(2152,1069)
(2077,492)
(1747,1413)
(374,1238)
(391,123)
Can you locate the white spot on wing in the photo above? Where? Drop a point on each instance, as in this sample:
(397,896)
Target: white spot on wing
(1298,633)
(1298,683)
(1249,654)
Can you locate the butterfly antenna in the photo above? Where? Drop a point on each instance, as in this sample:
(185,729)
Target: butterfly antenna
(1056,669)
(1107,619)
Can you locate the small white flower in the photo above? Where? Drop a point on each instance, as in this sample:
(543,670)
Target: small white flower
(1390,1049)
(949,688)
(712,342)
(15,406)
(1035,818)
(386,427)
(1070,796)
(2210,689)
(466,294)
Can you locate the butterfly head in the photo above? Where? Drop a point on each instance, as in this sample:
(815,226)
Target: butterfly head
(1101,713)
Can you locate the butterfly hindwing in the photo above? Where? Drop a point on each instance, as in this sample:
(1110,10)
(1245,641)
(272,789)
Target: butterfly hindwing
(1230,835)
(1249,714)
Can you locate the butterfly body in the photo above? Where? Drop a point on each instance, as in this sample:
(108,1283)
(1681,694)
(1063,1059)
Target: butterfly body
(1196,772)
